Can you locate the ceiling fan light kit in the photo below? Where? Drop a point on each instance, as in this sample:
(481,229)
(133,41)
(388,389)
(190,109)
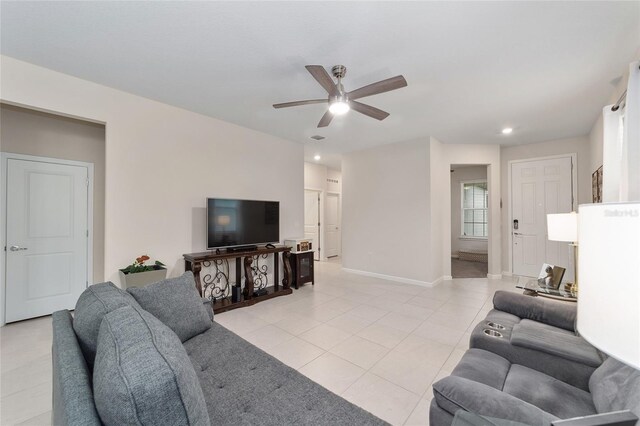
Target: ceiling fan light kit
(340,101)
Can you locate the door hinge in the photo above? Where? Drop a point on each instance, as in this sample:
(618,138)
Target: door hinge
(87,233)
(87,181)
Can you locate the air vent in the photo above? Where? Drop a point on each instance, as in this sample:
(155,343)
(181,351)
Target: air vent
(317,137)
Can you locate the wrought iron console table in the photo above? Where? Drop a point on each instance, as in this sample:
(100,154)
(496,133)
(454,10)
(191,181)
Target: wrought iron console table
(215,284)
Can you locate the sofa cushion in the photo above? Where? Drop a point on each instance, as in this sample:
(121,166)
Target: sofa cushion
(175,302)
(457,393)
(549,394)
(555,313)
(483,367)
(142,373)
(615,386)
(555,341)
(93,304)
(244,385)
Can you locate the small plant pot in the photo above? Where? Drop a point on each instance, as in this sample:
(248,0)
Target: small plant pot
(140,279)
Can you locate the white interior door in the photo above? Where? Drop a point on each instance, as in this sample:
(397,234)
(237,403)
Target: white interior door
(332,225)
(312,219)
(47,237)
(539,187)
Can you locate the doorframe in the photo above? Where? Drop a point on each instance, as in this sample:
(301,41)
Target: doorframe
(4,159)
(339,194)
(574,195)
(320,192)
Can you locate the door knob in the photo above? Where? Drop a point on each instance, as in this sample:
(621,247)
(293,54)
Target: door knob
(17,248)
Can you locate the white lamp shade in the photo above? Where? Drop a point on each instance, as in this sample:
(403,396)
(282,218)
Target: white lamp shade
(609,270)
(562,227)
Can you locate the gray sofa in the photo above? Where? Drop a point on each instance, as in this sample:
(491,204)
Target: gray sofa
(538,372)
(117,363)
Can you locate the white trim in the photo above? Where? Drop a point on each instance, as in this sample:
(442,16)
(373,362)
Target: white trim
(494,276)
(4,157)
(574,195)
(447,278)
(394,278)
(507,274)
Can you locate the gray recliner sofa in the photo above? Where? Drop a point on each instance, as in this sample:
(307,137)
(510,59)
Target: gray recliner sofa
(540,334)
(116,362)
(537,372)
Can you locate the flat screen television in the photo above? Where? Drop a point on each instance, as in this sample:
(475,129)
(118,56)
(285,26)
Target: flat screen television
(234,223)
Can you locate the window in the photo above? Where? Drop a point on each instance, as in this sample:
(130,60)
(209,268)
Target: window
(475,200)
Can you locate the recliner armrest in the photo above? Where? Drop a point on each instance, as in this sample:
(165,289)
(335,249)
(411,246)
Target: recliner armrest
(557,314)
(616,418)
(457,393)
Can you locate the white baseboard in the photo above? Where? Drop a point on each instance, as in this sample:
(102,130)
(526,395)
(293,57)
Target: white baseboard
(455,256)
(394,278)
(507,273)
(494,276)
(447,278)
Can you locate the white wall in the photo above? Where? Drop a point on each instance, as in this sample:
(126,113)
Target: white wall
(385,211)
(459,175)
(442,156)
(580,145)
(161,164)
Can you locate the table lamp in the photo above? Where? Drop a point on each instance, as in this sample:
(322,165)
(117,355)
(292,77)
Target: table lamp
(564,227)
(609,266)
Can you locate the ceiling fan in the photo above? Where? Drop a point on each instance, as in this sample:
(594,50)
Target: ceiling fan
(341,101)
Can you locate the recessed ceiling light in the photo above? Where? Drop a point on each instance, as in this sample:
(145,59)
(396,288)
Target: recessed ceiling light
(317,157)
(507,130)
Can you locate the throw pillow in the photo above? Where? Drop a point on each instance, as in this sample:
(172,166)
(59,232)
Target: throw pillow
(175,302)
(143,375)
(93,304)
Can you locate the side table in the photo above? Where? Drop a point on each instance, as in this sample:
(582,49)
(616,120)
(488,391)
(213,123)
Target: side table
(302,268)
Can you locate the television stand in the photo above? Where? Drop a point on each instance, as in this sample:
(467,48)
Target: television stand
(215,283)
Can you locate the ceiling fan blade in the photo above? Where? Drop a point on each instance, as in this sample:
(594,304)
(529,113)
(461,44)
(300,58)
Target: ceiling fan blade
(382,86)
(368,110)
(297,103)
(322,76)
(326,119)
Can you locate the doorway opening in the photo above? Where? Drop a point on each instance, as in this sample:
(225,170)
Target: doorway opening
(469,221)
(54,189)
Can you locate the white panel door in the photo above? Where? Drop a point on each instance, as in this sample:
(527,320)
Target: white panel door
(332,225)
(538,188)
(312,219)
(47,242)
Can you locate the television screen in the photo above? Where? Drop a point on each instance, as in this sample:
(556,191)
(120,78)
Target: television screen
(242,222)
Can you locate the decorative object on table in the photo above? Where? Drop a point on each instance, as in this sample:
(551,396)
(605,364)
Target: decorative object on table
(299,245)
(139,273)
(608,314)
(564,227)
(596,185)
(550,276)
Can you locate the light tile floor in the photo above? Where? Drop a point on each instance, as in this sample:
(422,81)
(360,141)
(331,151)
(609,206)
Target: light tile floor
(377,343)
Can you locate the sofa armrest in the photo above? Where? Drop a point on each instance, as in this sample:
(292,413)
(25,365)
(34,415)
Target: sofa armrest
(208,306)
(616,418)
(72,392)
(557,314)
(457,393)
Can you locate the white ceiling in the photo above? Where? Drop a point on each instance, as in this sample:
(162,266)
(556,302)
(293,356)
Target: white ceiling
(543,68)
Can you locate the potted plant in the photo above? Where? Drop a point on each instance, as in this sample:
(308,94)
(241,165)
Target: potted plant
(138,274)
